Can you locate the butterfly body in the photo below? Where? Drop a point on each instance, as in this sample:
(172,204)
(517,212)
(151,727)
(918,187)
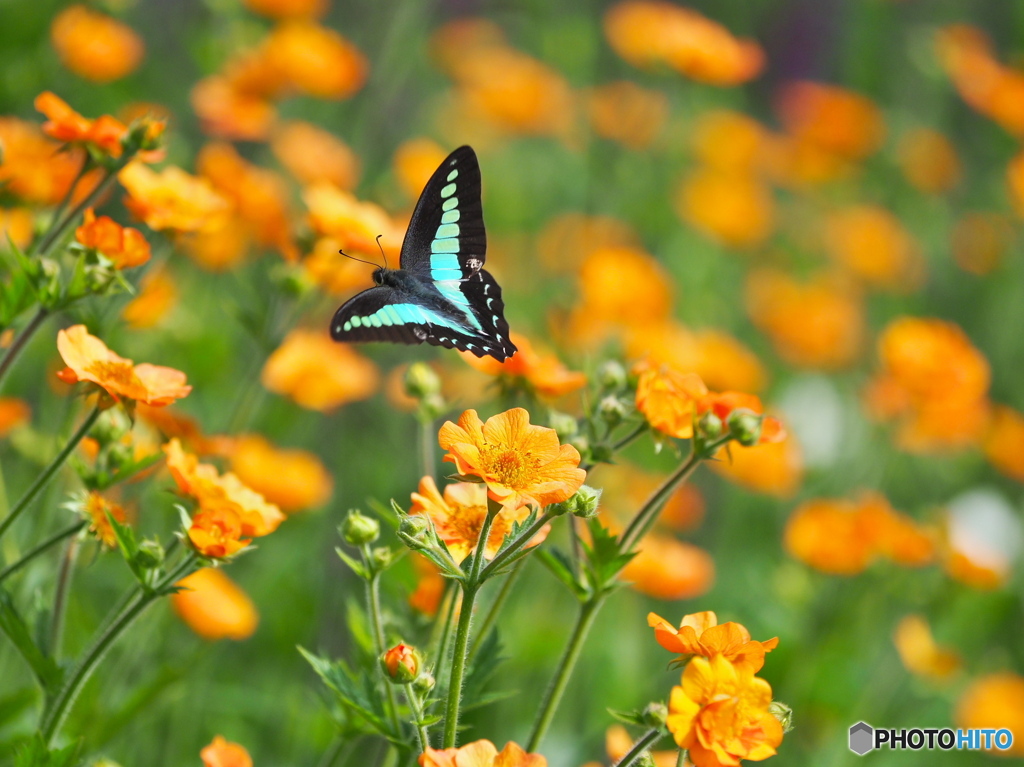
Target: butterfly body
(441,295)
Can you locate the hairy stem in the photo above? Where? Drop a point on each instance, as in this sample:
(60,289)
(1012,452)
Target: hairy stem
(23,337)
(647,740)
(373,602)
(496,607)
(32,553)
(513,548)
(60,595)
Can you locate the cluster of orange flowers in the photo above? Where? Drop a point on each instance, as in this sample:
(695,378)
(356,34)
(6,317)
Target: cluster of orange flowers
(297,56)
(94,45)
(721,713)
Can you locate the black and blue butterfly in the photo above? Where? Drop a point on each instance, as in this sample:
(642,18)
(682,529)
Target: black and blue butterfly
(441,294)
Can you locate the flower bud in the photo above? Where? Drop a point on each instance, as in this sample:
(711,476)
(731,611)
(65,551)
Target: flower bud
(745,426)
(401,664)
(655,714)
(783,713)
(612,410)
(611,375)
(380,558)
(421,381)
(359,529)
(565,425)
(710,425)
(150,555)
(110,427)
(432,406)
(414,532)
(292,280)
(602,454)
(424,683)
(581,443)
(584,502)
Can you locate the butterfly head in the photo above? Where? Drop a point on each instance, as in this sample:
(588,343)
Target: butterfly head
(378,276)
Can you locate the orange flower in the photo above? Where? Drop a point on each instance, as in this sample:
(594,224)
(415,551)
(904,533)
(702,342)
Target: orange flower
(928,160)
(648,34)
(216,531)
(775,468)
(872,244)
(34,167)
(317,373)
(401,662)
(414,163)
(229,112)
(313,155)
(459,514)
(919,652)
(520,463)
(333,272)
(291,479)
(1004,442)
(728,141)
(14,412)
(544,374)
(702,634)
(722,404)
(66,125)
(288,9)
(980,240)
(934,380)
(220,245)
(989,87)
(734,208)
(670,569)
(16,225)
(994,701)
(95,508)
(831,119)
(668,399)
(622,111)
(430,586)
(170,199)
(88,359)
(124,246)
(843,537)
(316,60)
(95,46)
(221,753)
(481,753)
(353,223)
(817,324)
(720,714)
(214,607)
(158,294)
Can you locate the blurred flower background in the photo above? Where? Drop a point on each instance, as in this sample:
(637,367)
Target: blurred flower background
(816,202)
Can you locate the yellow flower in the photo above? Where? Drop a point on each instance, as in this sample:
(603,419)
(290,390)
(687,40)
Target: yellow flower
(481,753)
(623,111)
(158,294)
(736,209)
(720,714)
(88,359)
(459,514)
(313,155)
(318,373)
(919,652)
(775,468)
(316,60)
(994,701)
(214,607)
(222,753)
(171,198)
(95,508)
(873,245)
(520,463)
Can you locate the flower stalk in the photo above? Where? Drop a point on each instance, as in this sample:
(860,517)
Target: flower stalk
(22,339)
(34,552)
(373,602)
(43,479)
(647,740)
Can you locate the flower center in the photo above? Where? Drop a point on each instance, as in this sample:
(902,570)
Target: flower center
(510,467)
(119,374)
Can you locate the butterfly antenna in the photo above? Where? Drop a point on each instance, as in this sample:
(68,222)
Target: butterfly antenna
(346,255)
(382,251)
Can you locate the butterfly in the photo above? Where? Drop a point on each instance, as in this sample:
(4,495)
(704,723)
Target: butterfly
(441,294)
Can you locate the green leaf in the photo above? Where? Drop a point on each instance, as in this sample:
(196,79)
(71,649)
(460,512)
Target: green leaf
(36,754)
(355,691)
(354,564)
(43,666)
(635,716)
(603,557)
(128,545)
(481,670)
(560,566)
(16,703)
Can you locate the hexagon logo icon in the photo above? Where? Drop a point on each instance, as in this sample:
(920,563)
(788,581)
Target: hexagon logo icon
(862,738)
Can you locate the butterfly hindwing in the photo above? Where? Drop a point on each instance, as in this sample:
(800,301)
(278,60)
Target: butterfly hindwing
(484,297)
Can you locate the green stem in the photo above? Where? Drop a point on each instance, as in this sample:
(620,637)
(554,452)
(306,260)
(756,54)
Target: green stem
(57,710)
(427,439)
(63,204)
(56,231)
(553,696)
(19,343)
(60,596)
(524,537)
(48,472)
(422,736)
(649,738)
(373,601)
(495,609)
(460,654)
(39,549)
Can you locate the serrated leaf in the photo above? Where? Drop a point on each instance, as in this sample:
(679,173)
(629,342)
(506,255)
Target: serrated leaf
(354,691)
(560,566)
(34,753)
(603,556)
(49,674)
(127,544)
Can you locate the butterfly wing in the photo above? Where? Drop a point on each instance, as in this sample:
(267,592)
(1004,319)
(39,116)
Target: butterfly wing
(445,248)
